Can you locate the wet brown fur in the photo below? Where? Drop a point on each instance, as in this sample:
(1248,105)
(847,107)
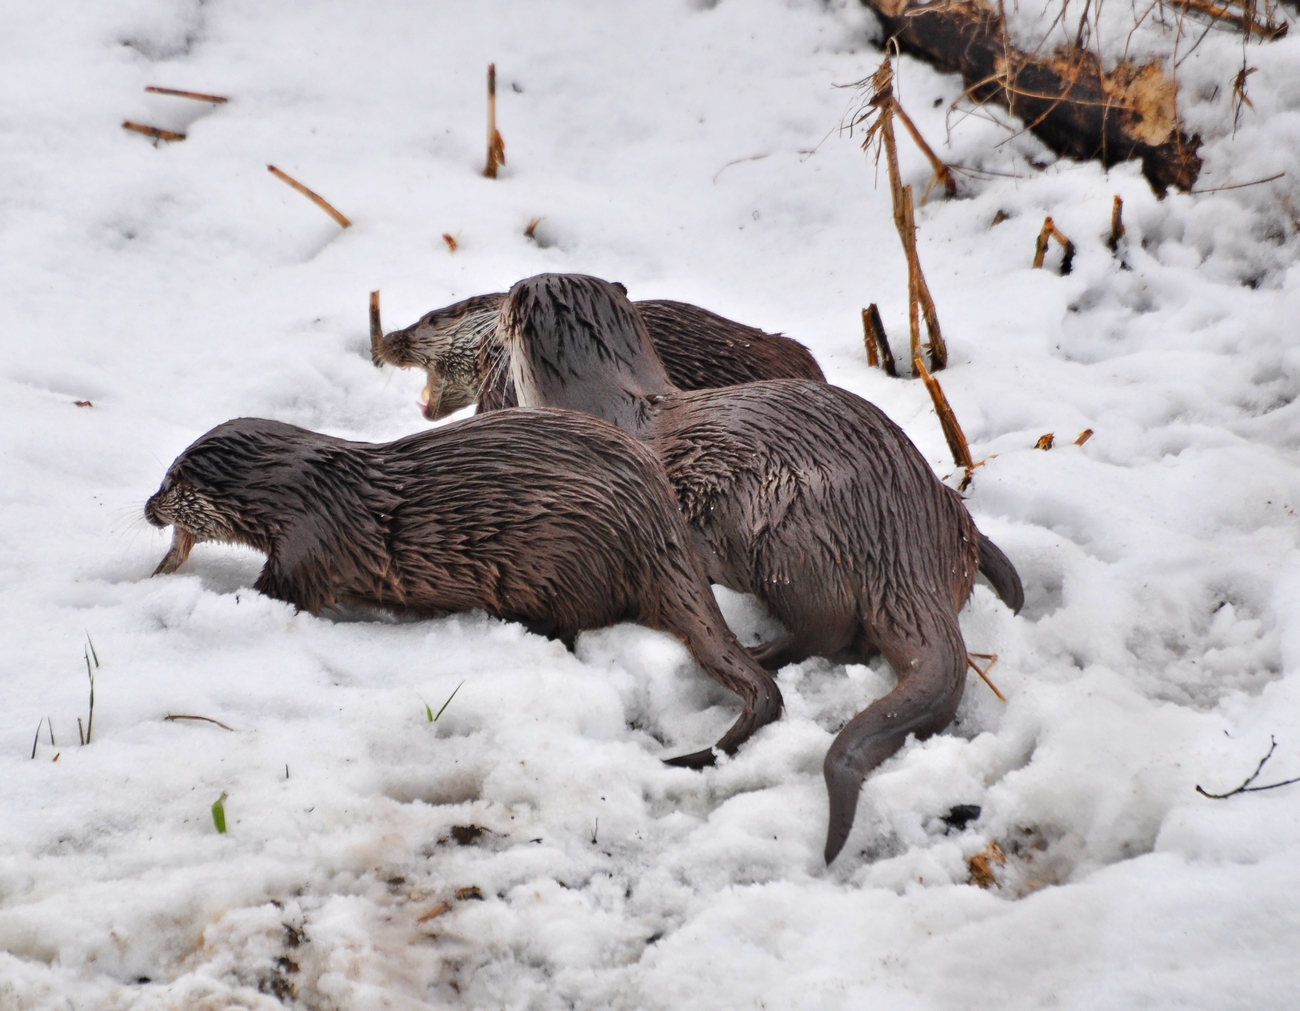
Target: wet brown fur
(459,350)
(799,492)
(548,517)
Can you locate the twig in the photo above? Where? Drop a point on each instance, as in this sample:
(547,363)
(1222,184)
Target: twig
(315,198)
(957,444)
(436,911)
(1246,787)
(198,96)
(170,717)
(1050,231)
(152,131)
(1246,21)
(942,174)
(1241,186)
(873,335)
(496,147)
(992,658)
(376,330)
(1116,223)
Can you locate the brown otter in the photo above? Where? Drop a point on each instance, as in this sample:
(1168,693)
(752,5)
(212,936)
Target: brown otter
(799,492)
(548,517)
(459,349)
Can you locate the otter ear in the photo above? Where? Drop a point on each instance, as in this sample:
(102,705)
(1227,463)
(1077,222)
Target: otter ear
(620,286)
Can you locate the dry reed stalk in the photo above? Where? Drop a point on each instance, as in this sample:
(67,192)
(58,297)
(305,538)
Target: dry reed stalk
(1116,223)
(437,910)
(1084,436)
(152,131)
(496,147)
(315,198)
(957,443)
(376,330)
(873,335)
(198,96)
(1050,231)
(992,658)
(1046,441)
(1246,21)
(942,174)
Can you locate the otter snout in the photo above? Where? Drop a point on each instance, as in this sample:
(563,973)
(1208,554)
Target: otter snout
(156,512)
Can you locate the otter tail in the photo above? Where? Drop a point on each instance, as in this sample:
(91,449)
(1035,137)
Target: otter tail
(931,678)
(1001,574)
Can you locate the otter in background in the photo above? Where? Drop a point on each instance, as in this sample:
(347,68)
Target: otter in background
(460,351)
(799,492)
(552,518)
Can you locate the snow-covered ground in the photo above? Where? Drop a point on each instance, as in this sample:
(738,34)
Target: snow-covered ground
(529,850)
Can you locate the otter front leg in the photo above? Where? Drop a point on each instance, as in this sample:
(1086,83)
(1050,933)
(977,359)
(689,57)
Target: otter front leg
(931,679)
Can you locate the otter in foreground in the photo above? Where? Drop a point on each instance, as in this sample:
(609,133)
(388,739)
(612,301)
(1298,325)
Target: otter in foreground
(551,518)
(461,352)
(799,492)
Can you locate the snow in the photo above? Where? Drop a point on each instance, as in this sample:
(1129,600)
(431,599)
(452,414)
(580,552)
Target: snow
(691,151)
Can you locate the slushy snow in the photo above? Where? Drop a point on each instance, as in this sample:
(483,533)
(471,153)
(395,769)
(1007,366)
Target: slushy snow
(529,850)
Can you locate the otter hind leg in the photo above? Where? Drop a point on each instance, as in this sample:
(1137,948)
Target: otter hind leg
(931,679)
(1001,574)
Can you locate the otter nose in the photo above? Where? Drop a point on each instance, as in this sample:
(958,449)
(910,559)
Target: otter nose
(153,511)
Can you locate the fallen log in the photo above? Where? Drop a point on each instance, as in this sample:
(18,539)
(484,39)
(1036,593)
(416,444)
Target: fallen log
(1064,98)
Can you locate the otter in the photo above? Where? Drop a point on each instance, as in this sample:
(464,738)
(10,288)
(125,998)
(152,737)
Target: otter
(460,351)
(799,492)
(548,517)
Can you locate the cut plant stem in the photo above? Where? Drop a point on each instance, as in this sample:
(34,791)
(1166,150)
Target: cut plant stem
(957,444)
(376,329)
(942,174)
(992,658)
(1049,232)
(436,911)
(152,131)
(1084,436)
(1116,223)
(1046,441)
(873,334)
(315,198)
(496,147)
(198,96)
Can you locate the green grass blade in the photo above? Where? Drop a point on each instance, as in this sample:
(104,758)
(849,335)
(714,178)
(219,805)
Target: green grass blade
(448,702)
(219,813)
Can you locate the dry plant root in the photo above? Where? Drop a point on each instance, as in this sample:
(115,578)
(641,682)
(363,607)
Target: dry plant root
(1065,98)
(496,147)
(1049,232)
(152,131)
(315,198)
(879,353)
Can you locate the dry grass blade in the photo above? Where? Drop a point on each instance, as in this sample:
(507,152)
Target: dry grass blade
(315,198)
(152,131)
(496,147)
(198,96)
(172,717)
(983,672)
(981,865)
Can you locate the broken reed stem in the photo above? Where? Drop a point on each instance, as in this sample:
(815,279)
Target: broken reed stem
(873,335)
(496,147)
(198,96)
(938,349)
(315,198)
(376,330)
(152,131)
(942,174)
(172,717)
(1116,223)
(1084,436)
(1049,232)
(1246,21)
(992,658)
(957,444)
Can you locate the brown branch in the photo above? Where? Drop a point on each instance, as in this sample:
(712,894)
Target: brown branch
(1246,787)
(198,96)
(152,131)
(942,174)
(172,717)
(496,147)
(1242,186)
(992,658)
(315,198)
(1050,231)
(376,329)
(1116,223)
(873,335)
(957,444)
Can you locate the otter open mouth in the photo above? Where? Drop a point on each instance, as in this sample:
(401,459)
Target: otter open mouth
(182,544)
(431,397)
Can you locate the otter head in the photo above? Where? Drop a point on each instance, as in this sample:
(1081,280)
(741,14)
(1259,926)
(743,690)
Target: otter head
(222,488)
(445,343)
